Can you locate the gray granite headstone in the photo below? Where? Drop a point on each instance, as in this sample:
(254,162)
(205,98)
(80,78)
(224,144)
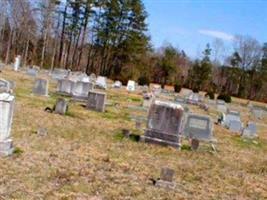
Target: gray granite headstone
(81,89)
(231,116)
(250,131)
(235,126)
(32,72)
(257,112)
(7,102)
(65,86)
(164,123)
(198,127)
(61,106)
(40,87)
(167,174)
(101,82)
(221,106)
(96,101)
(58,73)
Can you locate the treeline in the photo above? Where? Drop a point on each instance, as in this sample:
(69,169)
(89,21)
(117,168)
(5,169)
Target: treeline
(110,38)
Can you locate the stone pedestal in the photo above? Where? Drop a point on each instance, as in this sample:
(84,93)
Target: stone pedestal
(6,116)
(164,123)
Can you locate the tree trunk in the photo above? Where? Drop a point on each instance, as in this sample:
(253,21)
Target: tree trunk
(9,47)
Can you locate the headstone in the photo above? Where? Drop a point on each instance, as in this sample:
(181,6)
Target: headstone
(164,123)
(198,127)
(192,98)
(250,131)
(65,86)
(221,106)
(61,106)
(32,72)
(92,77)
(179,100)
(257,112)
(96,101)
(130,86)
(166,179)
(117,84)
(235,126)
(231,116)
(58,73)
(7,102)
(4,86)
(156,89)
(42,132)
(101,82)
(81,89)
(17,63)
(40,87)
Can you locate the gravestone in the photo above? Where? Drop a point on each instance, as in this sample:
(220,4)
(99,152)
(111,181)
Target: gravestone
(4,86)
(96,101)
(65,86)
(179,100)
(231,116)
(257,112)
(40,87)
(193,98)
(166,178)
(61,106)
(92,77)
(164,123)
(80,89)
(156,89)
(198,127)
(17,63)
(101,82)
(235,126)
(7,103)
(32,72)
(117,84)
(250,131)
(221,106)
(130,86)
(58,73)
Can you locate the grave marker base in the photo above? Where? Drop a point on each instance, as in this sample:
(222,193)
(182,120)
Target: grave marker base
(6,147)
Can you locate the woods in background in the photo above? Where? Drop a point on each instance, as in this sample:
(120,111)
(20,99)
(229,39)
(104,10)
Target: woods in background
(110,38)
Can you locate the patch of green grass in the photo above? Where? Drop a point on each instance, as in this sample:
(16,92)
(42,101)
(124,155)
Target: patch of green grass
(186,147)
(248,143)
(17,151)
(118,136)
(135,99)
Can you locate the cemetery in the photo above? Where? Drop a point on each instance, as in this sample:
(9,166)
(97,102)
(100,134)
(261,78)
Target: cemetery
(120,137)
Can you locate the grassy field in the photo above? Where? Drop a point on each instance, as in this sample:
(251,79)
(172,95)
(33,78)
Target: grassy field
(84,156)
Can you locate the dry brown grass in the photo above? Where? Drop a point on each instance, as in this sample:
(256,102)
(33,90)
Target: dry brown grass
(82,156)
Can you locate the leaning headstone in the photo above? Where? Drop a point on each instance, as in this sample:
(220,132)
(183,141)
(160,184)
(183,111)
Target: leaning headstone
(166,178)
(235,126)
(4,86)
(221,106)
(40,87)
(250,131)
(164,123)
(130,86)
(61,106)
(101,82)
(198,127)
(7,102)
(65,86)
(96,101)
(80,89)
(17,63)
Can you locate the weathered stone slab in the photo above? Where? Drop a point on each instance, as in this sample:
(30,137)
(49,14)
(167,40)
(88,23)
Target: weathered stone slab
(61,106)
(117,84)
(231,116)
(235,126)
(32,72)
(96,101)
(250,131)
(40,87)
(257,112)
(7,103)
(198,127)
(221,106)
(17,63)
(166,179)
(193,98)
(58,73)
(164,123)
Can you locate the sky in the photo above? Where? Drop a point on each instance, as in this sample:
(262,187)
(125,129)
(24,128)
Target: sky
(191,24)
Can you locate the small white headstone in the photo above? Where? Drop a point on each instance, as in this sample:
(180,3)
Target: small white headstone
(130,86)
(101,82)
(17,63)
(117,84)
